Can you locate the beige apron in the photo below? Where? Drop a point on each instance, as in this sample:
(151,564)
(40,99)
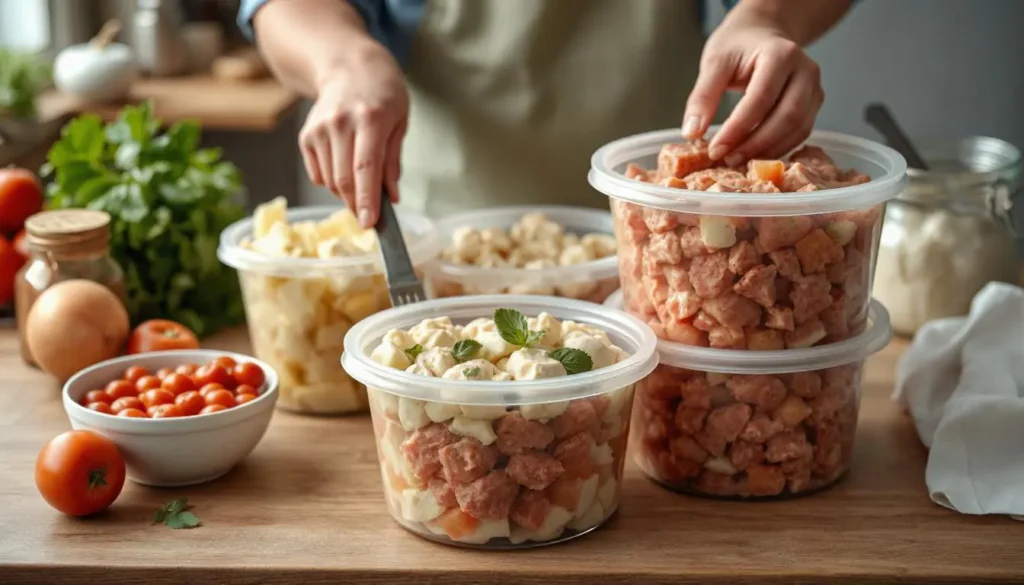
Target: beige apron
(511,97)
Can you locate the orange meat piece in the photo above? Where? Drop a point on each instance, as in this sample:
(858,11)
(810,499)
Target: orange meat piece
(772,171)
(457,524)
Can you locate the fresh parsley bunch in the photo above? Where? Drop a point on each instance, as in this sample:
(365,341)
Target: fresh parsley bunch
(168,199)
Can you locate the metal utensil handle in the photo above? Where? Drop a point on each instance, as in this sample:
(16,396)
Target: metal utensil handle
(392,245)
(879,117)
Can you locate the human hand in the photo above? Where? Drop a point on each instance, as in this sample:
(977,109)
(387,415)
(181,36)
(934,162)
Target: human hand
(352,138)
(782,90)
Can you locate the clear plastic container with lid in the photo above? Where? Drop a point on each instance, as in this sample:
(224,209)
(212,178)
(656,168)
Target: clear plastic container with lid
(501,464)
(753,425)
(953,224)
(300,309)
(572,255)
(714,258)
(64,244)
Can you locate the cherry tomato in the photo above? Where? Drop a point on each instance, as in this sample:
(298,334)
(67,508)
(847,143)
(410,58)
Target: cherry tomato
(133,373)
(162,373)
(160,335)
(10,262)
(222,397)
(245,389)
(133,413)
(96,396)
(212,408)
(243,398)
(100,407)
(165,411)
(127,402)
(249,373)
(80,472)
(190,402)
(120,389)
(206,389)
(147,383)
(214,374)
(21,195)
(186,369)
(226,362)
(156,396)
(178,383)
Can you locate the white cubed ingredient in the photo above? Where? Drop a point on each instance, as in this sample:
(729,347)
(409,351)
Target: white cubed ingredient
(616,400)
(486,530)
(399,339)
(469,427)
(386,402)
(420,505)
(391,356)
(277,243)
(466,242)
(841,231)
(601,454)
(420,370)
(268,214)
(436,360)
(533,364)
(435,338)
(588,493)
(600,244)
(551,327)
(329,337)
(496,238)
(501,377)
(483,412)
(576,291)
(471,370)
(331,248)
(434,528)
(589,519)
(358,306)
(364,241)
(544,411)
(570,326)
(324,371)
(720,465)
(391,450)
(600,354)
(475,326)
(328,398)
(717,231)
(442,411)
(552,527)
(614,428)
(608,493)
(575,254)
(412,414)
(293,303)
(492,346)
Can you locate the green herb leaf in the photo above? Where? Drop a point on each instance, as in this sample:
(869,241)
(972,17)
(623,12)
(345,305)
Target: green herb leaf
(533,337)
(177,506)
(470,372)
(160,516)
(22,77)
(182,520)
(414,351)
(465,349)
(512,326)
(575,361)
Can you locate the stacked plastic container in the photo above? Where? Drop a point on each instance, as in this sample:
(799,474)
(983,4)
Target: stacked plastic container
(762,304)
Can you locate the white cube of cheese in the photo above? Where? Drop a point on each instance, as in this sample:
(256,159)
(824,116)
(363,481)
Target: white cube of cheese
(420,505)
(601,454)
(841,231)
(717,231)
(442,411)
(469,427)
(544,411)
(720,465)
(385,402)
(391,356)
(552,527)
(608,494)
(591,518)
(412,413)
(588,493)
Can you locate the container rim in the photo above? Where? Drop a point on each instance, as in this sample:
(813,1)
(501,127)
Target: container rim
(615,154)
(422,250)
(873,339)
(596,220)
(631,334)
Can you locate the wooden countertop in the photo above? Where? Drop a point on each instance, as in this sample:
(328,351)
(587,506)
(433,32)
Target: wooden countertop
(306,507)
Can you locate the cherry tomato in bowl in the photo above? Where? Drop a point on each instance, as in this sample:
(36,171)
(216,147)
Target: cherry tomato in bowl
(80,472)
(161,335)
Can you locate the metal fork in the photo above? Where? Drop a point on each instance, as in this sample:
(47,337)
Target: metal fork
(404,286)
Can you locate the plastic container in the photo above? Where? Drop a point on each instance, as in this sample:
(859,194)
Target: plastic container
(760,271)
(299,309)
(753,425)
(582,496)
(592,281)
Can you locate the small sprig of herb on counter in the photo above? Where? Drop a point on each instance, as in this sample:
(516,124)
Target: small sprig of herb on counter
(470,372)
(464,350)
(515,329)
(176,515)
(414,351)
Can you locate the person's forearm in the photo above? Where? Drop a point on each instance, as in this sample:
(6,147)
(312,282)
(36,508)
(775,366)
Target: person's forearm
(803,21)
(305,41)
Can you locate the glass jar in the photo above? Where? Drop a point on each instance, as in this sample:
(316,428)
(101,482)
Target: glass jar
(64,244)
(950,233)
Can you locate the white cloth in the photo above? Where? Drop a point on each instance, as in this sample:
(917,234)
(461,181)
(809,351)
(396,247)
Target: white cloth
(962,379)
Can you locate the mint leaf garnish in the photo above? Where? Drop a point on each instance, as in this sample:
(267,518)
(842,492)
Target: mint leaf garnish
(414,351)
(512,326)
(465,349)
(470,372)
(575,361)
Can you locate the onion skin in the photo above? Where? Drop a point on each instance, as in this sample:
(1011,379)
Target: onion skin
(73,325)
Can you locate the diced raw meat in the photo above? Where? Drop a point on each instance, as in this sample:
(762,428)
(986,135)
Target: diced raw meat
(765,340)
(467,460)
(660,220)
(787,263)
(535,470)
(733,311)
(763,391)
(517,434)
(710,274)
(766,170)
(664,248)
(443,492)
(804,384)
(685,333)
(836,272)
(816,250)
(574,456)
(758,285)
(760,428)
(696,392)
(810,295)
(726,422)
(579,417)
(489,497)
(565,493)
(775,233)
(743,454)
(799,175)
(788,445)
(704,322)
(834,319)
(815,158)
(530,509)
(765,480)
(422,449)
(679,160)
(806,334)
(726,338)
(682,305)
(717,484)
(780,318)
(692,243)
(792,411)
(690,419)
(677,277)
(634,171)
(684,447)
(761,187)
(743,257)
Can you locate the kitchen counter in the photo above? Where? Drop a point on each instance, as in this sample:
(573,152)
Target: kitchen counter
(306,507)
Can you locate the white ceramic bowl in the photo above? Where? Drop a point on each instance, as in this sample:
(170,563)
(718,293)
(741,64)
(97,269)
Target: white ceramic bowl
(170,452)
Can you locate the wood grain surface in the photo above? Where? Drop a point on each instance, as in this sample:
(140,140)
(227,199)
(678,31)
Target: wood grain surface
(306,507)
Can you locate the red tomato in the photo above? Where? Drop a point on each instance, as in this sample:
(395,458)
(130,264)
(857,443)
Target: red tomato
(160,335)
(127,402)
(212,408)
(133,373)
(80,472)
(206,389)
(120,389)
(245,389)
(165,411)
(178,383)
(190,402)
(226,362)
(243,398)
(249,373)
(147,383)
(186,369)
(133,413)
(156,396)
(100,407)
(21,195)
(10,262)
(164,372)
(214,374)
(222,397)
(96,396)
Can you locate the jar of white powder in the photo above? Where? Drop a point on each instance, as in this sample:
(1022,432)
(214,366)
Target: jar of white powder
(950,232)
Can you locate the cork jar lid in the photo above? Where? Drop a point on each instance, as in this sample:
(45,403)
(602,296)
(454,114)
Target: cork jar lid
(88,230)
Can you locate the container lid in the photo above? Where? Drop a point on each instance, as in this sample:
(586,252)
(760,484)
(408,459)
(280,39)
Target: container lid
(84,230)
(885,166)
(578,220)
(419,231)
(626,331)
(875,337)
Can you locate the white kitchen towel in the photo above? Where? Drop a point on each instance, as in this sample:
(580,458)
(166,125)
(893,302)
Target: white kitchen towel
(962,379)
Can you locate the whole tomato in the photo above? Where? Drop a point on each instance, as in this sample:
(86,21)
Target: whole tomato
(160,335)
(21,195)
(10,262)
(80,472)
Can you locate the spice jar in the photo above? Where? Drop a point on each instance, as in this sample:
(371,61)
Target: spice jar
(950,232)
(64,244)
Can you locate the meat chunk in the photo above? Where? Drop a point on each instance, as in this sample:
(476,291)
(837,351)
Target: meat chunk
(816,250)
(743,257)
(488,498)
(422,449)
(787,263)
(443,492)
(810,296)
(679,160)
(733,311)
(804,384)
(816,159)
(758,285)
(579,417)
(535,470)
(723,425)
(685,447)
(788,445)
(682,305)
(761,390)
(690,419)
(792,411)
(726,338)
(660,220)
(530,509)
(765,340)
(806,334)
(517,434)
(780,318)
(574,456)
(765,480)
(743,454)
(799,175)
(710,274)
(691,243)
(665,248)
(775,233)
(696,392)
(760,428)
(467,460)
